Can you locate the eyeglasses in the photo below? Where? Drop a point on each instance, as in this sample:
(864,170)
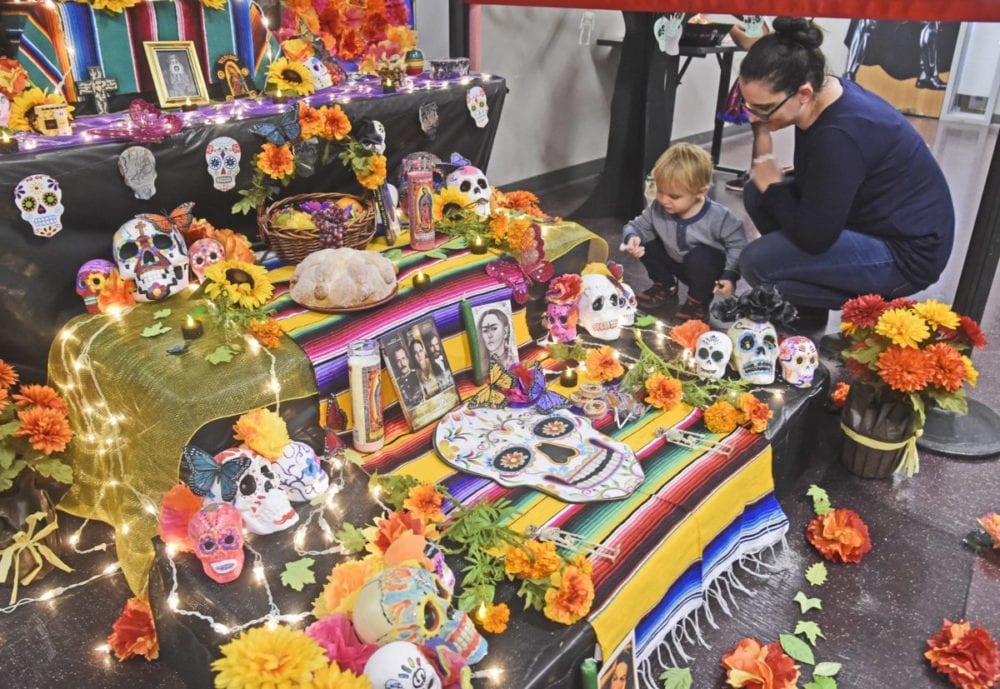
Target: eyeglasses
(762,115)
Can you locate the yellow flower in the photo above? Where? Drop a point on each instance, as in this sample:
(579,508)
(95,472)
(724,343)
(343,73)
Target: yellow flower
(937,314)
(494,618)
(971,374)
(263,431)
(373,175)
(533,560)
(114,5)
(286,76)
(424,502)
(263,658)
(23,107)
(903,327)
(332,677)
(245,285)
(447,200)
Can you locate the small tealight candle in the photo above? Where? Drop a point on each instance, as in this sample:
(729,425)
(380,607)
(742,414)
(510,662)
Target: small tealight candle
(188,105)
(478,245)
(569,378)
(192,329)
(421,280)
(8,144)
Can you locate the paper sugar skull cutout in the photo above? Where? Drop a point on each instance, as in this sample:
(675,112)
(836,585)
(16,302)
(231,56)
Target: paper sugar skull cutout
(222,155)
(259,498)
(204,253)
(628,304)
(475,100)
(157,261)
(321,77)
(401,665)
(755,350)
(799,359)
(600,307)
(429,119)
(560,320)
(667,30)
(712,354)
(91,279)
(299,472)
(39,199)
(137,165)
(216,531)
(557,453)
(472,183)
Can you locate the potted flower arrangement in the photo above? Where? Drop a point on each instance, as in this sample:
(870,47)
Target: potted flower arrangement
(903,355)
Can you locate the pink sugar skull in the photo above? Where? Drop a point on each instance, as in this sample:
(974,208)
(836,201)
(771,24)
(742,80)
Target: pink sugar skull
(204,253)
(91,279)
(560,320)
(217,533)
(799,359)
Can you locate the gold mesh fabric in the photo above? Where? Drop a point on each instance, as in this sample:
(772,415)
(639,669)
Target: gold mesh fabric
(134,407)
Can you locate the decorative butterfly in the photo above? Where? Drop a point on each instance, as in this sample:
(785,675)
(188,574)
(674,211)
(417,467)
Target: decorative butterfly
(146,124)
(204,471)
(494,395)
(284,129)
(530,267)
(336,422)
(180,218)
(529,390)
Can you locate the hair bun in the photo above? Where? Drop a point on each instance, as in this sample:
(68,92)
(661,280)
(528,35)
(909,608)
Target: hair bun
(798,30)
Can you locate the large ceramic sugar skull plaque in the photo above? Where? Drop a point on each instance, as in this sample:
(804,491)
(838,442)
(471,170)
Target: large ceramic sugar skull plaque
(39,199)
(557,453)
(217,533)
(157,261)
(755,350)
(799,359)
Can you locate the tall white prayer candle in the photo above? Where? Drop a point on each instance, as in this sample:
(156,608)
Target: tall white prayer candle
(365,374)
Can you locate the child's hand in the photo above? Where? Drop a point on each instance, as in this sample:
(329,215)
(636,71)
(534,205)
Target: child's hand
(634,247)
(724,287)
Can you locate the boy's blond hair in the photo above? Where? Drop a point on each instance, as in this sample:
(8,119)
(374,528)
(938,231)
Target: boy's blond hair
(686,166)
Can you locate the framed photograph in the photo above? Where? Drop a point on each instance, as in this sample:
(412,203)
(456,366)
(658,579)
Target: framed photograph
(420,372)
(176,73)
(619,670)
(230,70)
(494,334)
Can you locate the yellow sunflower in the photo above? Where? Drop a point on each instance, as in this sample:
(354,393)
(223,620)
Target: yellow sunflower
(262,657)
(937,314)
(246,285)
(290,77)
(903,327)
(22,109)
(448,200)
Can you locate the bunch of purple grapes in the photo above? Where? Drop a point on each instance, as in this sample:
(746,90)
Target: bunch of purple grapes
(330,223)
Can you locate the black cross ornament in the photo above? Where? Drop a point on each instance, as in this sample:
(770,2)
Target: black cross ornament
(99,87)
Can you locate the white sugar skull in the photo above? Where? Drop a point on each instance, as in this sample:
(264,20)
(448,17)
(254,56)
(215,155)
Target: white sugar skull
(217,533)
(799,359)
(557,453)
(91,279)
(299,472)
(39,199)
(600,307)
(401,665)
(470,181)
(755,350)
(204,253)
(712,353)
(137,165)
(157,261)
(321,78)
(629,304)
(259,498)
(222,155)
(475,100)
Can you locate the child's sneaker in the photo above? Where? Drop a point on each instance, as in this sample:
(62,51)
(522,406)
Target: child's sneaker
(657,295)
(692,310)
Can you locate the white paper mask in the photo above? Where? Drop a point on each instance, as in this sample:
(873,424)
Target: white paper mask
(157,261)
(259,498)
(475,100)
(39,199)
(401,665)
(204,253)
(138,166)
(629,304)
(470,181)
(712,353)
(321,78)
(299,472)
(557,453)
(222,155)
(799,360)
(755,350)
(600,307)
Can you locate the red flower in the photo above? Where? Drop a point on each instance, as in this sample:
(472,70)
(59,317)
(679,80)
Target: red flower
(972,332)
(134,633)
(564,289)
(863,311)
(839,535)
(899,303)
(967,655)
(751,665)
(839,395)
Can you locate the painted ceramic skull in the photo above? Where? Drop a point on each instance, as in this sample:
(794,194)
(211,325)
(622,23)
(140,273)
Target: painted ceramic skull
(373,136)
(629,304)
(433,552)
(401,665)
(560,320)
(91,279)
(472,183)
(475,100)
(137,165)
(712,353)
(600,307)
(755,350)
(299,472)
(799,359)
(217,533)
(259,498)
(222,155)
(411,604)
(157,261)
(321,78)
(204,253)
(39,198)
(557,453)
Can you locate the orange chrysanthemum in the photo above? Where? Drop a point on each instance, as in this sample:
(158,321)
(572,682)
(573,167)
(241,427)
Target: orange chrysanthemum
(310,120)
(264,432)
(267,332)
(373,176)
(277,162)
(520,235)
(948,370)
(751,665)
(522,201)
(663,392)
(602,364)
(839,394)
(343,585)
(533,560)
(424,502)
(687,333)
(395,525)
(236,244)
(570,596)
(39,396)
(494,618)
(991,524)
(47,430)
(336,125)
(8,376)
(967,655)
(721,417)
(755,413)
(4,399)
(134,633)
(904,369)
(840,535)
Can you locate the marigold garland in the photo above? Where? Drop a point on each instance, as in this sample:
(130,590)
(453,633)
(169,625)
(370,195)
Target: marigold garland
(277,162)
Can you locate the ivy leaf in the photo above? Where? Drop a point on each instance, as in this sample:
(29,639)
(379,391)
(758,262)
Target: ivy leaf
(806,603)
(8,429)
(162,313)
(298,573)
(644,321)
(809,629)
(676,678)
(53,468)
(156,329)
(821,682)
(393,254)
(7,456)
(816,575)
(797,648)
(435,253)
(223,354)
(826,669)
(351,538)
(456,243)
(821,501)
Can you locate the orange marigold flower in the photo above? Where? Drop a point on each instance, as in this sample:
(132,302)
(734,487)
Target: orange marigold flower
(523,201)
(236,244)
(277,162)
(840,535)
(751,665)
(343,585)
(520,235)
(134,633)
(118,294)
(198,229)
(663,392)
(47,430)
(687,333)
(570,596)
(424,502)
(336,124)
(947,367)
(602,363)
(755,412)
(267,332)
(583,564)
(721,417)
(533,560)
(494,618)
(904,369)
(839,394)
(967,655)
(310,120)
(373,176)
(395,525)
(991,523)
(8,376)
(39,396)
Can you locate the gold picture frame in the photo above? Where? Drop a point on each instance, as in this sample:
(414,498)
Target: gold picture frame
(176,73)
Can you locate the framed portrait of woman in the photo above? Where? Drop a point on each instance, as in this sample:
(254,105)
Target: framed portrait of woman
(493,331)
(176,73)
(420,372)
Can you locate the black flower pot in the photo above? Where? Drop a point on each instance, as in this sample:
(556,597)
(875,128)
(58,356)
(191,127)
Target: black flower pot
(886,420)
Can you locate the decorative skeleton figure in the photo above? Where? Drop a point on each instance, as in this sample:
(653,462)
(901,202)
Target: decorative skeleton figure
(799,360)
(712,353)
(755,350)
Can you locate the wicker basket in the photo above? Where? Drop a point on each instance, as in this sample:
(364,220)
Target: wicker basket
(294,245)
